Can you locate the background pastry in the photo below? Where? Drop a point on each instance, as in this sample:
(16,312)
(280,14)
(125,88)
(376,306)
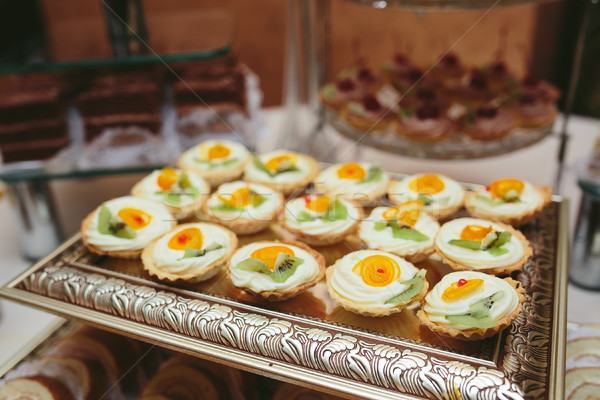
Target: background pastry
(282,170)
(183,192)
(362,183)
(123,226)
(275,270)
(441,196)
(321,220)
(508,200)
(375,283)
(477,244)
(190,252)
(471,305)
(243,207)
(217,161)
(404,230)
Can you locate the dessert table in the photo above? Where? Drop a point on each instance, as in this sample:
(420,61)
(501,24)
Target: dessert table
(20,324)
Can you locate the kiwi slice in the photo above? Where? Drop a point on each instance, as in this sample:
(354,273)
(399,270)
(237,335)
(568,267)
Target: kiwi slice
(467,244)
(191,253)
(415,285)
(104,220)
(184,181)
(479,313)
(374,174)
(286,166)
(409,234)
(303,216)
(285,266)
(337,211)
(109,225)
(254,265)
(257,199)
(425,198)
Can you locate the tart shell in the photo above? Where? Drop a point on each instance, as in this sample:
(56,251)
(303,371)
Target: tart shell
(354,307)
(290,188)
(503,270)
(515,220)
(289,293)
(476,333)
(206,272)
(127,254)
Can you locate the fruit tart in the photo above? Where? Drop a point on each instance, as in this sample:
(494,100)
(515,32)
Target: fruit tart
(470,305)
(282,170)
(123,226)
(336,95)
(448,70)
(183,192)
(217,161)
(488,122)
(441,196)
(321,220)
(509,200)
(275,270)
(428,123)
(243,207)
(368,114)
(375,283)
(361,183)
(481,245)
(404,230)
(473,91)
(532,112)
(191,252)
(539,88)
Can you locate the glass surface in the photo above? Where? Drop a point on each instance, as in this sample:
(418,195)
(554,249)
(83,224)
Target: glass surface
(130,61)
(444,4)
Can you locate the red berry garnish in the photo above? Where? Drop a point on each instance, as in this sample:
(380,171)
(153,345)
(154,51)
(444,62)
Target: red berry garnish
(461,282)
(346,85)
(307,199)
(400,59)
(380,270)
(486,112)
(182,239)
(499,68)
(371,103)
(414,75)
(427,111)
(478,81)
(365,75)
(449,60)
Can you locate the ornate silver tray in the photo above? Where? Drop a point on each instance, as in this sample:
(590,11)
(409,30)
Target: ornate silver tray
(310,341)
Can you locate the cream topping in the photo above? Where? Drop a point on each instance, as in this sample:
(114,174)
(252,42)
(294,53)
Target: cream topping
(318,226)
(259,282)
(451,196)
(350,188)
(149,189)
(196,157)
(351,286)
(265,211)
(304,169)
(476,259)
(161,222)
(384,239)
(529,199)
(172,261)
(437,308)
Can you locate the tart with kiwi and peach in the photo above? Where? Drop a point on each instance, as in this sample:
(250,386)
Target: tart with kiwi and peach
(404,230)
(183,192)
(482,245)
(123,226)
(508,200)
(362,183)
(375,283)
(190,253)
(441,195)
(321,220)
(217,161)
(243,207)
(275,270)
(471,305)
(282,170)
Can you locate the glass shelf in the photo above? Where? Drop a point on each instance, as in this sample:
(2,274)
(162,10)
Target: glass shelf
(441,5)
(130,61)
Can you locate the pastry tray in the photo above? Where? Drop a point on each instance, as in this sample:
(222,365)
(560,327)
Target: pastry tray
(309,340)
(457,147)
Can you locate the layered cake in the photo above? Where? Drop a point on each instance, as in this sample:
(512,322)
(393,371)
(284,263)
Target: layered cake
(32,112)
(121,97)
